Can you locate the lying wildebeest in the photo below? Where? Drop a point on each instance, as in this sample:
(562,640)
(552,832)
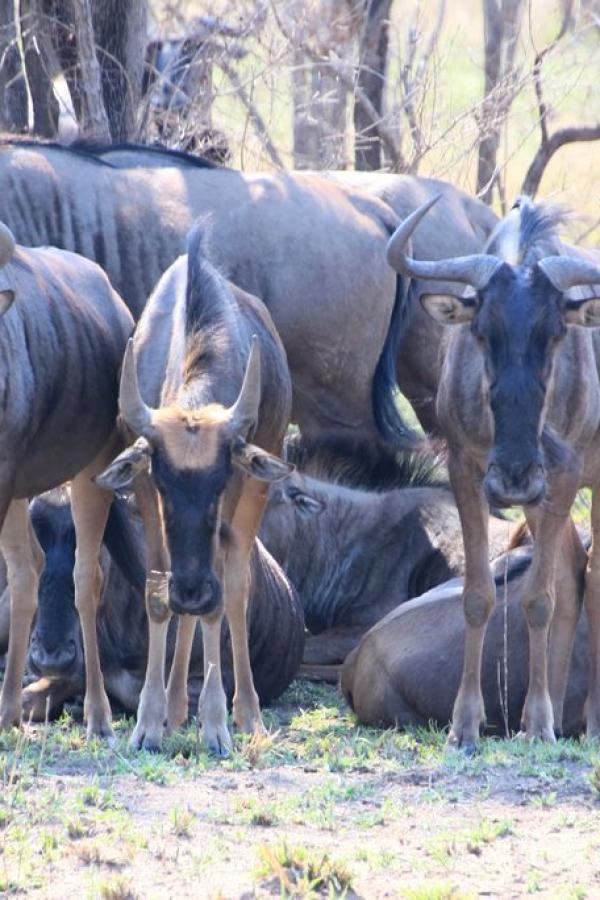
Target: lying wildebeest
(404,673)
(313,251)
(366,552)
(275,620)
(519,404)
(205,370)
(62,335)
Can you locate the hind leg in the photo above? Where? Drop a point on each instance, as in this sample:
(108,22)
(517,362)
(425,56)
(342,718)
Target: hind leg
(90,505)
(177,695)
(24,561)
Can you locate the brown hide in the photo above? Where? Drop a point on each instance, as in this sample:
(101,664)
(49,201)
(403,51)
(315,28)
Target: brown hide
(406,670)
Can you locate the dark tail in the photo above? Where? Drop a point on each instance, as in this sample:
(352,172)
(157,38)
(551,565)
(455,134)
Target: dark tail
(125,546)
(390,424)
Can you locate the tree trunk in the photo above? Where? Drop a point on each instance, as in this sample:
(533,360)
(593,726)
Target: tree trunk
(320,97)
(13,92)
(371,79)
(95,120)
(501,22)
(120,28)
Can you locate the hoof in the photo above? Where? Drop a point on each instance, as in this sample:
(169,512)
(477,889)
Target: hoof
(463,742)
(247,717)
(147,736)
(217,740)
(177,712)
(101,729)
(545,734)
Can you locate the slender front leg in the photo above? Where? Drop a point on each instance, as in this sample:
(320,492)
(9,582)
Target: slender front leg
(571,559)
(246,522)
(478,599)
(592,608)
(212,705)
(24,561)
(549,524)
(152,708)
(90,506)
(177,694)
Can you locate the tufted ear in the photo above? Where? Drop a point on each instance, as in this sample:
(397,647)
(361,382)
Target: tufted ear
(258,463)
(583,312)
(448,309)
(127,465)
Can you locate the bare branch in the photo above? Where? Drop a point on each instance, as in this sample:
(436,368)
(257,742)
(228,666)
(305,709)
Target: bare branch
(569,135)
(255,116)
(385,134)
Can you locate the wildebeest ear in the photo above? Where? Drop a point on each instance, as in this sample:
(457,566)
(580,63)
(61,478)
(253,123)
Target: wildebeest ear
(126,466)
(258,463)
(6,300)
(449,310)
(583,312)
(304,504)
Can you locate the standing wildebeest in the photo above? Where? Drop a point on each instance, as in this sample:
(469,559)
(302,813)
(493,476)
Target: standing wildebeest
(275,619)
(404,673)
(313,251)
(208,359)
(365,553)
(459,224)
(519,403)
(62,341)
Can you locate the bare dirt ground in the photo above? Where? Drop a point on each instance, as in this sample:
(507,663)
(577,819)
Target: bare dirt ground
(318,807)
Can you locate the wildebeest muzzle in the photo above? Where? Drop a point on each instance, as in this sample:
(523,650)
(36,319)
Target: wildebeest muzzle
(520,481)
(194,596)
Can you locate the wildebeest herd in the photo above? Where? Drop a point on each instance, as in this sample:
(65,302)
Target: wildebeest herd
(173,322)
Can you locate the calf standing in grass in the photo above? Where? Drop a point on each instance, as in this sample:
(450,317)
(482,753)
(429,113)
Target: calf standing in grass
(63,331)
(205,371)
(519,404)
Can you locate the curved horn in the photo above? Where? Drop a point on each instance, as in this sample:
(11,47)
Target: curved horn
(475,270)
(7,244)
(565,272)
(133,409)
(244,412)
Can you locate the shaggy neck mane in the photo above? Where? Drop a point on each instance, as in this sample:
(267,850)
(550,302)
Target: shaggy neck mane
(212,330)
(529,232)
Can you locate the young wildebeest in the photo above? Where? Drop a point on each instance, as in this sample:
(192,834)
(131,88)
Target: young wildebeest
(366,552)
(519,404)
(402,674)
(275,619)
(204,371)
(62,341)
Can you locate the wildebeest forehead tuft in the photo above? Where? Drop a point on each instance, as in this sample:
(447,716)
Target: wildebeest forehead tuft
(192,438)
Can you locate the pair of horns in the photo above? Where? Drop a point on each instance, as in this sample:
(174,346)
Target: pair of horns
(563,272)
(139,417)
